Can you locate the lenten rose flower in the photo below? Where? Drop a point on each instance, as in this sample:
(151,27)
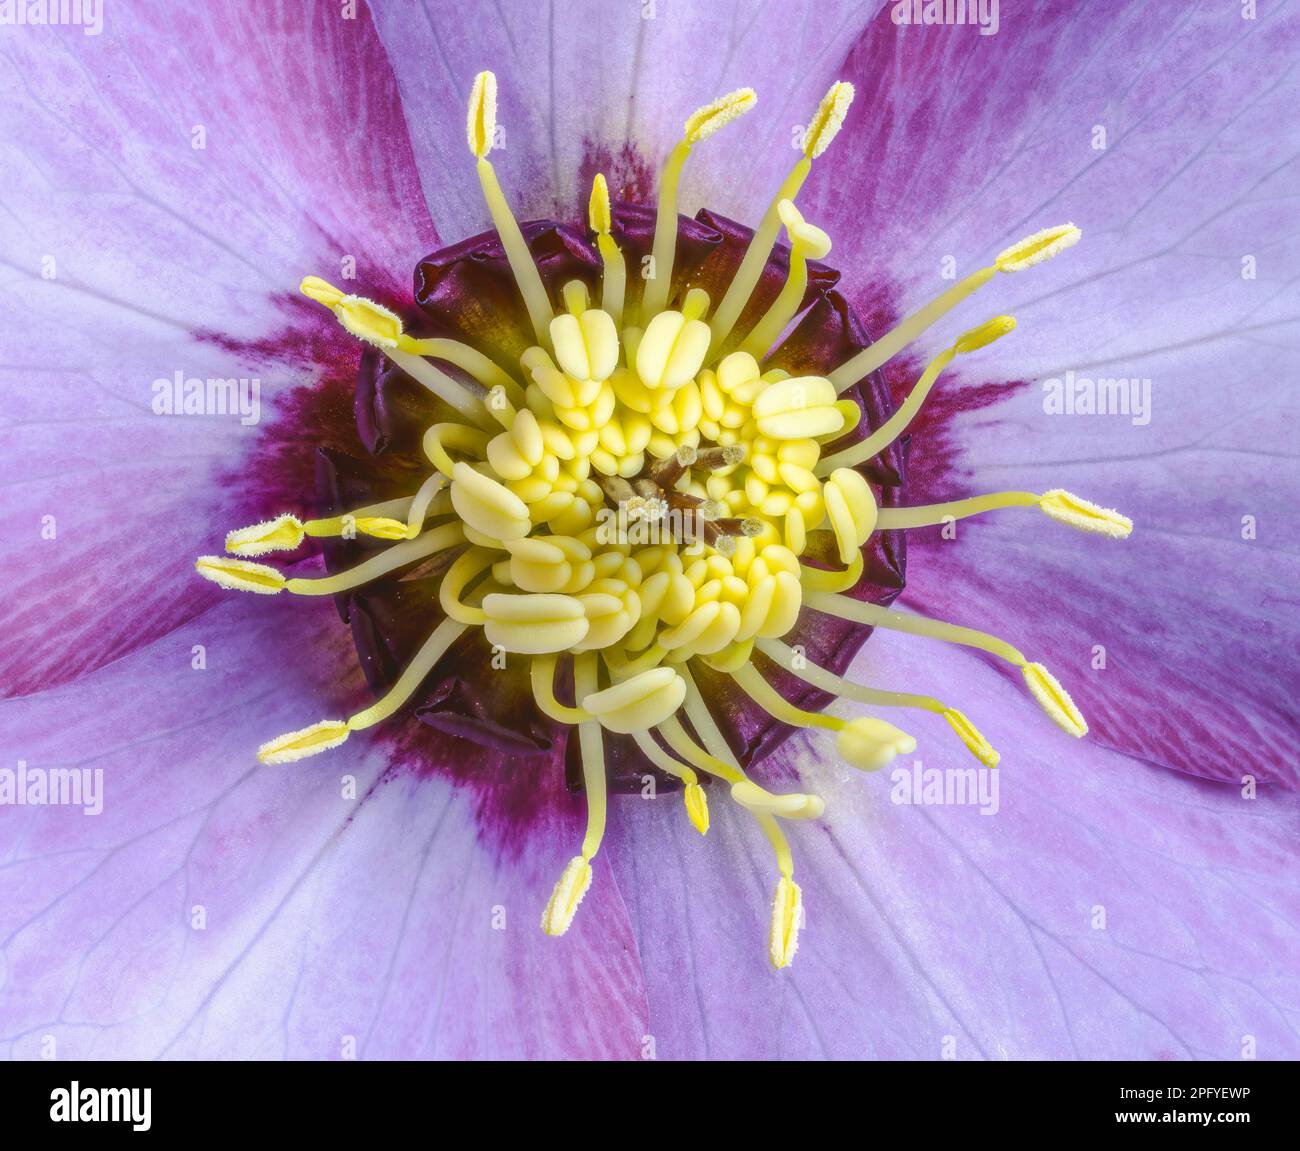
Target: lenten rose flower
(372,887)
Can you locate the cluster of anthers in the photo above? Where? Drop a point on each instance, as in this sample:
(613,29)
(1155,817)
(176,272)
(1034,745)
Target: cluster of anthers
(630,500)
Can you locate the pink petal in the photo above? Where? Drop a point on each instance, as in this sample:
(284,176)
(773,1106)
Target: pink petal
(160,248)
(930,924)
(377,917)
(583,75)
(973,142)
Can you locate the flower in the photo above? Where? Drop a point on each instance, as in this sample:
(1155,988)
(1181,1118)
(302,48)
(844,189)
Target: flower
(386,898)
(651,499)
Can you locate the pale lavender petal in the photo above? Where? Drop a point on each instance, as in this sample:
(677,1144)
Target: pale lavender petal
(583,82)
(220,909)
(131,255)
(975,141)
(938,932)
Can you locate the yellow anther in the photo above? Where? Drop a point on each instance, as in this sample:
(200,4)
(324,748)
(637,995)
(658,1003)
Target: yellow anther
(322,291)
(703,122)
(1084,515)
(1030,251)
(486,506)
(301,744)
(671,350)
(985,334)
(791,806)
(614,278)
(568,893)
(787,918)
(533,624)
(828,119)
(697,807)
(1054,699)
(598,211)
(382,527)
(482,120)
(798,408)
(240,575)
(739,378)
(282,534)
(1037,248)
(815,243)
(868,743)
(611,613)
(514,455)
(365,319)
(538,565)
(971,736)
(586,345)
(851,508)
(639,703)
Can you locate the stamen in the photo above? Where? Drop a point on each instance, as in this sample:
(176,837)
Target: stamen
(864,743)
(614,278)
(573,884)
(806,243)
(927,515)
(638,703)
(798,408)
(377,325)
(563,904)
(298,745)
(828,580)
(482,119)
(1028,252)
(471,361)
(699,126)
(697,804)
(971,736)
(828,119)
(286,532)
(466,568)
(826,122)
(869,743)
(585,685)
(671,350)
(421,505)
(875,616)
(1038,248)
(398,556)
(331,733)
(675,736)
(787,918)
(898,423)
(282,534)
(377,527)
(1058,504)
(792,805)
(1084,515)
(851,509)
(482,124)
(434,648)
(1054,700)
(784,656)
(1046,689)
(698,712)
(240,575)
(442,438)
(488,507)
(534,623)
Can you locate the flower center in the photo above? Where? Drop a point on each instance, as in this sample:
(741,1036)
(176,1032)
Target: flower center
(644,496)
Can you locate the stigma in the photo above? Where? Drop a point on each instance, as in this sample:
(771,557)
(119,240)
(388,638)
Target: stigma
(644,500)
